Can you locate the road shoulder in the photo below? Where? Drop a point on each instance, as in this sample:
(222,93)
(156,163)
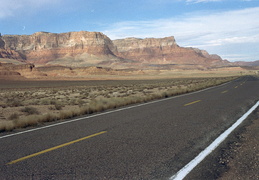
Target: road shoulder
(236,158)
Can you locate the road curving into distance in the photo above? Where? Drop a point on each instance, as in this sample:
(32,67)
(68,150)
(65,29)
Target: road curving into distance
(148,141)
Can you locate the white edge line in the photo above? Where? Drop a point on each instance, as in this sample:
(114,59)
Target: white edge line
(192,164)
(112,111)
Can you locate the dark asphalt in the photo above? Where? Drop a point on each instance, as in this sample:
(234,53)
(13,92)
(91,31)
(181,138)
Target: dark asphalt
(152,141)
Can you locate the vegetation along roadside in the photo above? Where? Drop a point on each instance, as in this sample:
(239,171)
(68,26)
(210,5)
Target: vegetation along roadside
(27,106)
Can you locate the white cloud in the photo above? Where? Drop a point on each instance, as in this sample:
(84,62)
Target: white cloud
(201,29)
(12,7)
(244,39)
(189,29)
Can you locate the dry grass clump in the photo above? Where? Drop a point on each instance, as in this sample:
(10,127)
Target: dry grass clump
(14,102)
(13,116)
(34,106)
(30,110)
(7,126)
(34,120)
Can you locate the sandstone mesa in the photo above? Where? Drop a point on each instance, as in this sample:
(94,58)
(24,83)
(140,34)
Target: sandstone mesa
(94,48)
(87,50)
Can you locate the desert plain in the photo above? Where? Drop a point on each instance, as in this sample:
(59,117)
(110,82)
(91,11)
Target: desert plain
(30,102)
(48,77)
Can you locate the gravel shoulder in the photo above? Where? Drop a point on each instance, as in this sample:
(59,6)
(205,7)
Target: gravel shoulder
(243,159)
(236,158)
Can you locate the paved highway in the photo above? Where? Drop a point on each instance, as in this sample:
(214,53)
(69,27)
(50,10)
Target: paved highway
(148,141)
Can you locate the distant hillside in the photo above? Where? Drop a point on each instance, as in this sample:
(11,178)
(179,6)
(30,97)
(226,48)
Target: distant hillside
(244,63)
(82,49)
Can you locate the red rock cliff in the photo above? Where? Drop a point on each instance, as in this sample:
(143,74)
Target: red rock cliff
(162,51)
(96,49)
(43,47)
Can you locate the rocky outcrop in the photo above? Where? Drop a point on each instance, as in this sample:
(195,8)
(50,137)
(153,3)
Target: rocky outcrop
(7,74)
(43,47)
(81,49)
(23,70)
(128,44)
(9,71)
(10,54)
(2,44)
(162,51)
(7,52)
(10,75)
(21,67)
(244,63)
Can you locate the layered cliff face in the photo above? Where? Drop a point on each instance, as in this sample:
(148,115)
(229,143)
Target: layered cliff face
(244,63)
(8,53)
(80,49)
(162,51)
(11,71)
(11,54)
(43,47)
(128,44)
(2,44)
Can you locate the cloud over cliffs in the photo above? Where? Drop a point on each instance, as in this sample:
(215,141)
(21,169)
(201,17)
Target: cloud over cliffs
(212,31)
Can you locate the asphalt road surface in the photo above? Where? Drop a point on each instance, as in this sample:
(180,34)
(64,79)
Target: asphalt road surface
(149,141)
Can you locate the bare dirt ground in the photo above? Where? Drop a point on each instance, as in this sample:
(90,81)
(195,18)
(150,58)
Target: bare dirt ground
(242,158)
(237,158)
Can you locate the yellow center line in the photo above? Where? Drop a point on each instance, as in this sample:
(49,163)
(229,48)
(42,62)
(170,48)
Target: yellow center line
(56,147)
(192,103)
(224,91)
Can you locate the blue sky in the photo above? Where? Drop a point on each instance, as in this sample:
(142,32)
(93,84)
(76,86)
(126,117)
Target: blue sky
(229,28)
